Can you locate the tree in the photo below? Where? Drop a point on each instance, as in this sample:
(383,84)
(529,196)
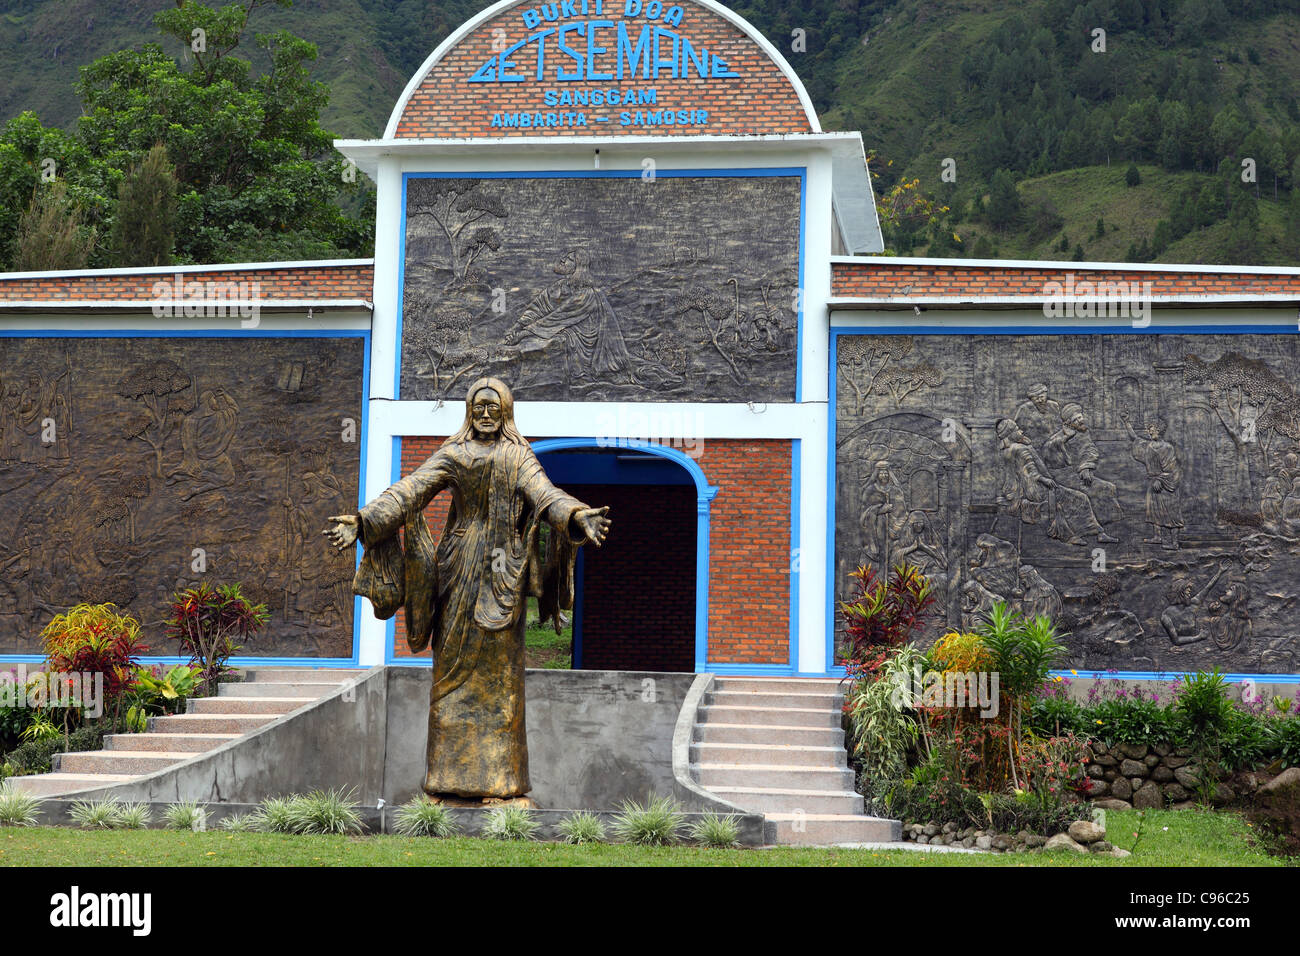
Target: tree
(165,391)
(1004,206)
(1132,176)
(53,233)
(144,227)
(252,160)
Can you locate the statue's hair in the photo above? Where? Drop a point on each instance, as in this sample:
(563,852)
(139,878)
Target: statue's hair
(509,433)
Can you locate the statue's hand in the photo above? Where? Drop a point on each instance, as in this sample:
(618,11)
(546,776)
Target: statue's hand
(344,531)
(594,524)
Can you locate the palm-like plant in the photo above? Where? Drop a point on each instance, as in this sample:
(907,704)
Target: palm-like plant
(1024,651)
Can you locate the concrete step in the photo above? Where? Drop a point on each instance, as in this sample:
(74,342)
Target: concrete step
(720,733)
(779,685)
(767,800)
(313,689)
(770,716)
(753,698)
(118,761)
(53,784)
(209,723)
(827,828)
(185,743)
(788,755)
(776,776)
(309,674)
(246,705)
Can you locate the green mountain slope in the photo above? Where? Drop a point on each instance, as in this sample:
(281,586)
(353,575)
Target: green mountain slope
(1186,89)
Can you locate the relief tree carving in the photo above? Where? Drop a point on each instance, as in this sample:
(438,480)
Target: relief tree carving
(163,390)
(461,209)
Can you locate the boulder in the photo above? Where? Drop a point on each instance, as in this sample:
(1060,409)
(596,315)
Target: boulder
(1002,842)
(1161,774)
(1120,853)
(1287,780)
(1110,775)
(1184,805)
(1187,777)
(1035,840)
(1110,803)
(1132,751)
(1096,771)
(1121,789)
(1148,797)
(1150,760)
(1160,750)
(1062,841)
(1101,846)
(1173,763)
(950,827)
(931,829)
(1223,794)
(1175,792)
(983,842)
(1085,831)
(923,839)
(1106,760)
(1097,788)
(1133,768)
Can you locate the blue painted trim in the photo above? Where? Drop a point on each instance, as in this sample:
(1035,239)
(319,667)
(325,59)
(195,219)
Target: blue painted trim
(796,554)
(1175,676)
(756,171)
(799,324)
(1127,329)
(579,578)
(704,494)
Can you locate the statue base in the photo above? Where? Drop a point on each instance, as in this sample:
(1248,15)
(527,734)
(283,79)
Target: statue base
(454,800)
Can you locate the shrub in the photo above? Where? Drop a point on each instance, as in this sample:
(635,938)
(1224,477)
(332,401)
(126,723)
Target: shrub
(582,827)
(96,814)
(94,639)
(881,730)
(185,816)
(18,808)
(925,801)
(658,823)
(36,756)
(885,614)
(242,822)
(510,823)
(207,621)
(325,811)
(716,831)
(1204,707)
(424,817)
(134,816)
(276,815)
(1284,740)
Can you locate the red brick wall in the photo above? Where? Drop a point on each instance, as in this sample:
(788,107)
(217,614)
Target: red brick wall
(638,604)
(351,281)
(760,100)
(749,546)
(873,280)
(749,549)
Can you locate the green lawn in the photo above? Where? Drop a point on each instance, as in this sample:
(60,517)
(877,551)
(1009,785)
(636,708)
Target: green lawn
(1169,838)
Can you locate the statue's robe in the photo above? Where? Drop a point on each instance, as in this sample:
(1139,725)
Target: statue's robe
(470,596)
(1164,477)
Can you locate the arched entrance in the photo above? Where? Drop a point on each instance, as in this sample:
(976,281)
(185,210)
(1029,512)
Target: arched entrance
(641,601)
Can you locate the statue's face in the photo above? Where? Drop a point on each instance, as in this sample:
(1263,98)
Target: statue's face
(1153,430)
(1079,423)
(1039,399)
(486,413)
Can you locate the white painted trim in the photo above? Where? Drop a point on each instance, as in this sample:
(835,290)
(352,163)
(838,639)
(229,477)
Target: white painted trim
(38,322)
(147,305)
(208,267)
(924,300)
(993,317)
(1067,266)
(390,130)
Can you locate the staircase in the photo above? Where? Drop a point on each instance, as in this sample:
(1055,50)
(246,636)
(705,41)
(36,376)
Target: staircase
(775,746)
(265,694)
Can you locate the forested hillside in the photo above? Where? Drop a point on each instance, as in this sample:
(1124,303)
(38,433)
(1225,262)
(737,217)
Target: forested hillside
(1011,129)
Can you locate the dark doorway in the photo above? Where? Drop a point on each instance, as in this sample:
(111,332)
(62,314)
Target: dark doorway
(634,601)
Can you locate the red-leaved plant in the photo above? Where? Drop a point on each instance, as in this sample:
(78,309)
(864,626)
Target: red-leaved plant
(211,623)
(94,639)
(884,614)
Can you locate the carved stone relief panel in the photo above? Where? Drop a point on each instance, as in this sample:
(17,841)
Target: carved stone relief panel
(131,467)
(612,288)
(1142,490)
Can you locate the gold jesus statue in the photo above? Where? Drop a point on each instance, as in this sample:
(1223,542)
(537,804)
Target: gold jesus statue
(469,594)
